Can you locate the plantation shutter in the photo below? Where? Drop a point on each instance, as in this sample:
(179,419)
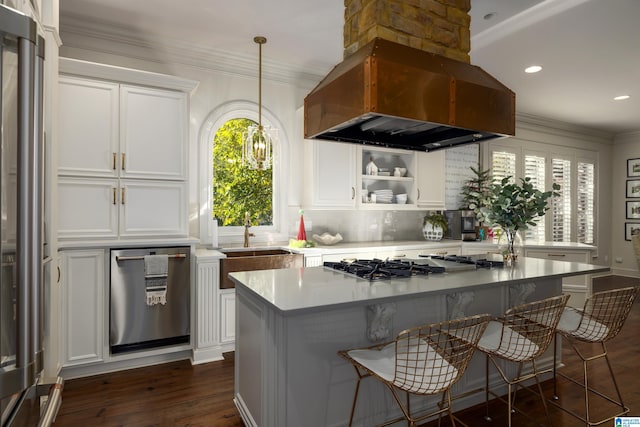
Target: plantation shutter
(561,205)
(586,202)
(503,164)
(534,168)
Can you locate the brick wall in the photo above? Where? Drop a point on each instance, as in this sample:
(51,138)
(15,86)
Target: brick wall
(436,26)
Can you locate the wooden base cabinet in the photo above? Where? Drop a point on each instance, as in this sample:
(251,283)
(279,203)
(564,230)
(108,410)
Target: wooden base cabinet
(83,315)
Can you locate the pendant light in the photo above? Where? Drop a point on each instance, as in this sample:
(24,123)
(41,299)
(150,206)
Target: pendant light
(258,140)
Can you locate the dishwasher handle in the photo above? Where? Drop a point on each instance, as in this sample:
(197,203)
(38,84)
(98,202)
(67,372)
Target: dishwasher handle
(140,257)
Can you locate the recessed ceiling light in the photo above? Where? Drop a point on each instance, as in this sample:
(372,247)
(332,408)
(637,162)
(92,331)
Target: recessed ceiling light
(621,97)
(533,69)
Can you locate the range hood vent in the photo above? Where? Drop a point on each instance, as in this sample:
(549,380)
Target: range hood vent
(392,95)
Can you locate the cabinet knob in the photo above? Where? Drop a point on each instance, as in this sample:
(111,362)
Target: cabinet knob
(557,255)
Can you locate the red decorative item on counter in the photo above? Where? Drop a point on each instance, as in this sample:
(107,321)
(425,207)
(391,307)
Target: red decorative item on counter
(302,235)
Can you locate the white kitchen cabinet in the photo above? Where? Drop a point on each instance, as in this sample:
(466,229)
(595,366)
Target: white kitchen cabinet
(227,315)
(82,300)
(88,127)
(330,178)
(122,161)
(579,287)
(109,208)
(87,208)
(153,133)
(152,208)
(430,176)
(110,130)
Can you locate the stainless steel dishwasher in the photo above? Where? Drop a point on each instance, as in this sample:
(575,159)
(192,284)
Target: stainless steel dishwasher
(136,324)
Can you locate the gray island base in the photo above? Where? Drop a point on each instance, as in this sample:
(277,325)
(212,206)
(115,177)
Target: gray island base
(290,324)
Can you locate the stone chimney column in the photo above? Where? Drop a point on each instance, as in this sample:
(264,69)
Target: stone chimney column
(436,26)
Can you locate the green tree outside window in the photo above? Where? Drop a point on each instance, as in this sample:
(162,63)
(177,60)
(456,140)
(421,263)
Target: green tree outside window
(236,188)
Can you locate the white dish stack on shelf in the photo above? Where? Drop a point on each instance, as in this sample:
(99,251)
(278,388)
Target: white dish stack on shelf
(401,199)
(383,196)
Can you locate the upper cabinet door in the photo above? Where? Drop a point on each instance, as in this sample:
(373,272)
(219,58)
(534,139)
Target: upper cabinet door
(331,174)
(431,177)
(88,127)
(153,133)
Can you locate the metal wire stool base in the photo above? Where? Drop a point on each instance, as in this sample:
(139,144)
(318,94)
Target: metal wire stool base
(586,419)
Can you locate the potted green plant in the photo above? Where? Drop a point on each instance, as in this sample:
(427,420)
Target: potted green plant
(475,190)
(438,226)
(514,207)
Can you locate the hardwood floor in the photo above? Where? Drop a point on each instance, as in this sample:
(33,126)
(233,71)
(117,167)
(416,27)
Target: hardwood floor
(178,394)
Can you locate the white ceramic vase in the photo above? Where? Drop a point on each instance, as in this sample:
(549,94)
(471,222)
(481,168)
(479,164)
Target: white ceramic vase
(431,232)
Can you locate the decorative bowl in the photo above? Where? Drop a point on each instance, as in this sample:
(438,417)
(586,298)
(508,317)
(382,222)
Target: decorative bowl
(327,239)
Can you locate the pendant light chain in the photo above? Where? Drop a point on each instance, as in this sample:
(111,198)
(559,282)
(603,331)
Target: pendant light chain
(260,40)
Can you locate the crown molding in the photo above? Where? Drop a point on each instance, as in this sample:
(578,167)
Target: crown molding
(121,74)
(627,138)
(99,36)
(560,128)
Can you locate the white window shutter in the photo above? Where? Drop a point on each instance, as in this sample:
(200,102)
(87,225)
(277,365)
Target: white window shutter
(503,164)
(561,205)
(586,202)
(534,168)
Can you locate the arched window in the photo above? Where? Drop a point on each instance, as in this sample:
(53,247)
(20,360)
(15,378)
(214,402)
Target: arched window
(228,190)
(239,190)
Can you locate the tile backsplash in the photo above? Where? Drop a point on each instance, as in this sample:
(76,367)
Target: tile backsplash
(363,226)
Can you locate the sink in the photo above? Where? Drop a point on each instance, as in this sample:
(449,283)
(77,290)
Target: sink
(255,259)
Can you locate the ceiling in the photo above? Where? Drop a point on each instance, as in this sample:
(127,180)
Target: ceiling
(589,49)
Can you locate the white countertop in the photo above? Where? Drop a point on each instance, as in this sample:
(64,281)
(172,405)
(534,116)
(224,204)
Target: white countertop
(292,291)
(354,247)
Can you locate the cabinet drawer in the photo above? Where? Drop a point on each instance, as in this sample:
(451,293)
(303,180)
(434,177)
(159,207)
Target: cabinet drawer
(556,255)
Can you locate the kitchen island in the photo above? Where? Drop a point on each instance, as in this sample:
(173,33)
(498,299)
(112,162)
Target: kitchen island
(290,324)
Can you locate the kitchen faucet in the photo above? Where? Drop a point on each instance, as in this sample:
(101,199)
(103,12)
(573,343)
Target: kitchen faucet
(247,224)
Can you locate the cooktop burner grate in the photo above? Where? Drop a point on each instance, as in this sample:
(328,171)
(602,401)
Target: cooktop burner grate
(377,269)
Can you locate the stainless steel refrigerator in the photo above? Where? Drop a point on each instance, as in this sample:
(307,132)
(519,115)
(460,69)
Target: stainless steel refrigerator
(25,398)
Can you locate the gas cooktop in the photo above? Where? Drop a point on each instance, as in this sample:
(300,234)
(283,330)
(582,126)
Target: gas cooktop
(378,269)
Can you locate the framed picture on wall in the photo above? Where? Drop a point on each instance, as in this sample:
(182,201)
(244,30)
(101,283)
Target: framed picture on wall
(631,228)
(633,210)
(633,188)
(633,167)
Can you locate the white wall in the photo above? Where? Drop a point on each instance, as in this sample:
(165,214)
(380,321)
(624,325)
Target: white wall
(626,146)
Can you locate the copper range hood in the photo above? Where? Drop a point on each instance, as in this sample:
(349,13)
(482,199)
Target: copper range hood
(392,95)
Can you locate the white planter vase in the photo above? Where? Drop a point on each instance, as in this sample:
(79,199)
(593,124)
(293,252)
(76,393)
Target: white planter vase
(431,232)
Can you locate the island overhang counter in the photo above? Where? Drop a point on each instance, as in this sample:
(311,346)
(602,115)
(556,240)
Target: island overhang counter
(290,323)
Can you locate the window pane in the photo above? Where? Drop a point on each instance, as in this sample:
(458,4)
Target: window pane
(561,205)
(503,164)
(237,188)
(534,168)
(586,202)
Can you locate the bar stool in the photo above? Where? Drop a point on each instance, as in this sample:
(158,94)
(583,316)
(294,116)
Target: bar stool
(425,360)
(600,320)
(521,335)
